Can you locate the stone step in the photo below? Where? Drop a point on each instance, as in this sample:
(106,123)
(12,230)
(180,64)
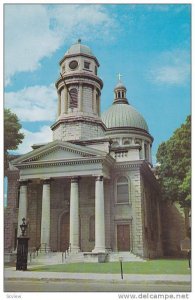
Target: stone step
(57,258)
(126,256)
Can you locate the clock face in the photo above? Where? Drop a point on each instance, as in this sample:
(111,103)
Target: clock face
(73,64)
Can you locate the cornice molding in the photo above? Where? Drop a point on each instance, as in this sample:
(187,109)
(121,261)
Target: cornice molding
(73,119)
(131,130)
(128,165)
(77,55)
(85,152)
(79,161)
(75,76)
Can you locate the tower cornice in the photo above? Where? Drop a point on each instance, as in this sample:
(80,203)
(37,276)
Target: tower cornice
(76,55)
(79,76)
(73,119)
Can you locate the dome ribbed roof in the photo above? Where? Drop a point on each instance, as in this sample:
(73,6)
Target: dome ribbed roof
(79,48)
(120,85)
(123,115)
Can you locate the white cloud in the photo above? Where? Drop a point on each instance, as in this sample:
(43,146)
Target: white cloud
(33,32)
(28,38)
(39,137)
(37,103)
(171,68)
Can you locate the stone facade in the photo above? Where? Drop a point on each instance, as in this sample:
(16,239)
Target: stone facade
(136,213)
(91,189)
(173,230)
(78,129)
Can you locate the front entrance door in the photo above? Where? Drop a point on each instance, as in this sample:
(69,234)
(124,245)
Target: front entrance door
(123,237)
(64,232)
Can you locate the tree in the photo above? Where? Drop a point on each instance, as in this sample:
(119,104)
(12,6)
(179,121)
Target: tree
(174,170)
(12,135)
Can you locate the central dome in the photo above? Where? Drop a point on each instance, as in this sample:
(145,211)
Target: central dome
(123,115)
(79,48)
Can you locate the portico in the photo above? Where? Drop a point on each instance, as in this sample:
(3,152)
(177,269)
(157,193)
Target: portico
(98,167)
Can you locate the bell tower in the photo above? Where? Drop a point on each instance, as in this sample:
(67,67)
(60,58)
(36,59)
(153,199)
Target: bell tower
(79,91)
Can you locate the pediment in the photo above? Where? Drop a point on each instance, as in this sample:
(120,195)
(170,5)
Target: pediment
(58,151)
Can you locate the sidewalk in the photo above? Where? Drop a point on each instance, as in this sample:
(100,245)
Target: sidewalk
(12,274)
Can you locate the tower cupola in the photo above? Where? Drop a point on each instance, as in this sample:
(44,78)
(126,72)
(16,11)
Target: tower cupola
(120,93)
(79,91)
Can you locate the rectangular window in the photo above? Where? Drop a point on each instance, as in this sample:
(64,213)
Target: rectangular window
(122,193)
(86,65)
(122,190)
(18,197)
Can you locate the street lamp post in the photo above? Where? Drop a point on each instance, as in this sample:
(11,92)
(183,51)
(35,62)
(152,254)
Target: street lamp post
(121,265)
(22,248)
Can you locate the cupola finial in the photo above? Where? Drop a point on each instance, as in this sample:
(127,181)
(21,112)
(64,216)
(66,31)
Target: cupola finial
(119,75)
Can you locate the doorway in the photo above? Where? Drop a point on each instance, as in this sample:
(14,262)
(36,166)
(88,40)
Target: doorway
(123,237)
(64,232)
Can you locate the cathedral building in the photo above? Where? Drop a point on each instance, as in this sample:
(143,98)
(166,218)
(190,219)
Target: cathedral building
(92,188)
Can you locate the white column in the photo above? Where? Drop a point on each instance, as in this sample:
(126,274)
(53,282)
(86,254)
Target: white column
(74,215)
(143,150)
(59,104)
(62,102)
(45,216)
(22,211)
(149,153)
(65,100)
(94,101)
(80,96)
(98,105)
(99,216)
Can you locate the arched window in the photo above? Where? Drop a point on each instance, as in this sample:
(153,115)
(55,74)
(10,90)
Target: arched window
(73,98)
(126,142)
(92,229)
(145,152)
(122,190)
(97,104)
(115,144)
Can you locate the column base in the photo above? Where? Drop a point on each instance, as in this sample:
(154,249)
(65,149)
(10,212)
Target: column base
(74,249)
(99,250)
(44,248)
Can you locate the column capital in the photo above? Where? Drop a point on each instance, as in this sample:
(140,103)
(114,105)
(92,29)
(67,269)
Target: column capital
(46,180)
(75,179)
(99,178)
(23,181)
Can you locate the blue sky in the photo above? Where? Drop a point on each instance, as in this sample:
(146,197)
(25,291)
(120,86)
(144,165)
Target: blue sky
(148,44)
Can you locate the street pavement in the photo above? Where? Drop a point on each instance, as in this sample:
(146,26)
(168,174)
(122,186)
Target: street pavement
(69,285)
(11,273)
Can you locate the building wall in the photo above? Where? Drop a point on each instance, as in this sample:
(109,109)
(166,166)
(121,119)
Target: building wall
(34,213)
(142,214)
(152,229)
(173,229)
(78,131)
(87,99)
(127,213)
(11,211)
